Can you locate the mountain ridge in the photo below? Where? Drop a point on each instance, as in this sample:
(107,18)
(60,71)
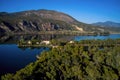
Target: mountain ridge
(42,20)
(107,24)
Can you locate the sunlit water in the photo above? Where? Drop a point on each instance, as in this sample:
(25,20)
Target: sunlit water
(112,36)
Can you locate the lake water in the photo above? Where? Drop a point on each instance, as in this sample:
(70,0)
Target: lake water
(13,58)
(112,36)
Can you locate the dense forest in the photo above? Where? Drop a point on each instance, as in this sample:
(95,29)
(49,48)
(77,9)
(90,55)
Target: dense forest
(83,60)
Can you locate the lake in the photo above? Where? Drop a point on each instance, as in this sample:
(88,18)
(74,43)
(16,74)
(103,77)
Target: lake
(111,36)
(13,58)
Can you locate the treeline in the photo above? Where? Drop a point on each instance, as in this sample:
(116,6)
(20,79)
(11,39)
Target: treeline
(74,61)
(61,32)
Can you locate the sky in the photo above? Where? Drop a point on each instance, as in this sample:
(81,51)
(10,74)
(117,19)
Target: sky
(87,11)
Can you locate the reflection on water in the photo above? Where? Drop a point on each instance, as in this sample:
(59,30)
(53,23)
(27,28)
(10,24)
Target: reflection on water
(16,38)
(13,58)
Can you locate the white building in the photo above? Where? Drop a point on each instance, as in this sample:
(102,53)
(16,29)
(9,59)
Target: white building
(29,42)
(71,42)
(45,42)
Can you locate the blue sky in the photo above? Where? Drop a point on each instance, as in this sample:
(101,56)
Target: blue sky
(87,11)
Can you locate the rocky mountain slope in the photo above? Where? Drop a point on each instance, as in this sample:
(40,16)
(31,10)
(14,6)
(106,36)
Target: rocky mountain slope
(42,20)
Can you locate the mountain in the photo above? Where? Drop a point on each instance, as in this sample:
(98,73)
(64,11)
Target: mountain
(107,24)
(113,27)
(42,20)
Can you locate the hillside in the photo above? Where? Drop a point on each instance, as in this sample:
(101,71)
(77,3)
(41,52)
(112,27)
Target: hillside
(42,20)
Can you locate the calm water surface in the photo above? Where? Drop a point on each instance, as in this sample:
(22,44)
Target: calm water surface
(13,58)
(112,36)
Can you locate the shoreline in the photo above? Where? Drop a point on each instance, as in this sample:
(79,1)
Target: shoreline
(114,33)
(75,33)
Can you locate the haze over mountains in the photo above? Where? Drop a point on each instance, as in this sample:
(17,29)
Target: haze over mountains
(43,20)
(107,24)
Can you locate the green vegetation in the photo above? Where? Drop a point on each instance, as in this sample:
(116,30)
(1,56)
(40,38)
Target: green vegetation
(84,60)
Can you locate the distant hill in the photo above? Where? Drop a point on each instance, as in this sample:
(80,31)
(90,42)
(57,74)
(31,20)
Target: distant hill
(107,24)
(42,20)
